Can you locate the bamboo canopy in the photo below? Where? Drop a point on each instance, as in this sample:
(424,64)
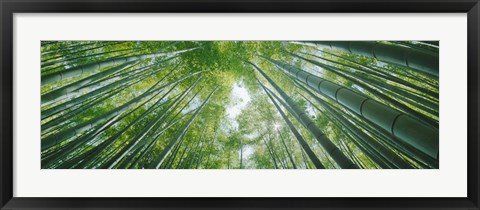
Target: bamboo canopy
(239,105)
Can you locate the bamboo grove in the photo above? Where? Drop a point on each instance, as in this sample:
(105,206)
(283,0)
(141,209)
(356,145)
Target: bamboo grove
(239,105)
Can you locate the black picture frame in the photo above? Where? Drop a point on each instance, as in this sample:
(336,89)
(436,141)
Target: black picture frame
(9,7)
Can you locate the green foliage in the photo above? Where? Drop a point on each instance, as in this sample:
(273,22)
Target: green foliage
(239,126)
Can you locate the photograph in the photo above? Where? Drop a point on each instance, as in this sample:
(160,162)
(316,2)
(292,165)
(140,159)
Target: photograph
(225,104)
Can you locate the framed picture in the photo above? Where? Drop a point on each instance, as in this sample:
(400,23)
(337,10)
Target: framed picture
(239,105)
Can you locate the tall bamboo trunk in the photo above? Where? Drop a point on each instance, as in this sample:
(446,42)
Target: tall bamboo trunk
(410,130)
(161,157)
(274,160)
(64,151)
(59,137)
(286,149)
(386,72)
(143,135)
(123,83)
(373,72)
(148,145)
(96,66)
(351,77)
(397,55)
(65,91)
(174,119)
(377,147)
(331,149)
